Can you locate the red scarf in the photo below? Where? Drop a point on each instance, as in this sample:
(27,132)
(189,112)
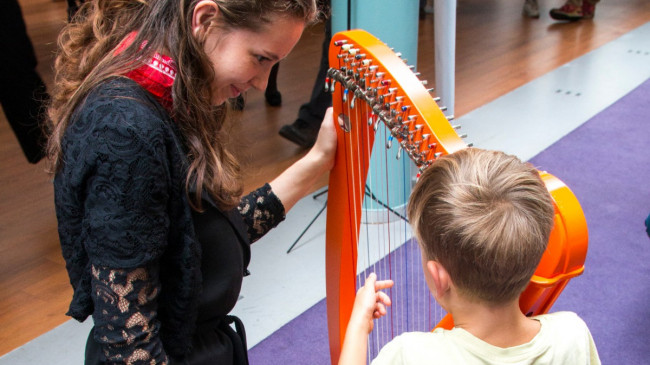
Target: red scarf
(156,75)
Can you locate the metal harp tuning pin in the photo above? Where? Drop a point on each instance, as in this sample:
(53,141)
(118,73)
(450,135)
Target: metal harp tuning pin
(327,82)
(340,42)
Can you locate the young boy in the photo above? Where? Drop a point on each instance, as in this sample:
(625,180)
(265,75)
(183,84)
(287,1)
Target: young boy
(483,220)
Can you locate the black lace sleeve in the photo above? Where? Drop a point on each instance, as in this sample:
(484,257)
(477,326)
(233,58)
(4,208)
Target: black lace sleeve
(113,192)
(126,324)
(261,211)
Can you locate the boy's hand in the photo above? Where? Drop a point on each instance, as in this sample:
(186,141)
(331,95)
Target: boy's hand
(370,303)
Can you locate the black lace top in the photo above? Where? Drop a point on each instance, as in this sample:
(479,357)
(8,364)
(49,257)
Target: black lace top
(132,245)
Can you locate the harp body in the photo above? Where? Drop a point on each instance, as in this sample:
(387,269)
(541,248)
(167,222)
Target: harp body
(383,92)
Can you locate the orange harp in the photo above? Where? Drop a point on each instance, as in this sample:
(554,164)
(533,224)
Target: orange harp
(375,90)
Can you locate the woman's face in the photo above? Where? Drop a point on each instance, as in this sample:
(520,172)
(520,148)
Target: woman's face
(242,58)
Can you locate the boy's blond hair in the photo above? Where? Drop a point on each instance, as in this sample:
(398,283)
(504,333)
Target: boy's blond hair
(486,217)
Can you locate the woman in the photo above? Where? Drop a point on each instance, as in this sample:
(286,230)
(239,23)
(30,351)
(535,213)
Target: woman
(152,227)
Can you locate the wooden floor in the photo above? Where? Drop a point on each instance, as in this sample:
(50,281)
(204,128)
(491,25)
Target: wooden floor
(498,50)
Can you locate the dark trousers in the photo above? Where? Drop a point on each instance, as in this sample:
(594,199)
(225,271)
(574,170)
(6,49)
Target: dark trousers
(22,91)
(313,111)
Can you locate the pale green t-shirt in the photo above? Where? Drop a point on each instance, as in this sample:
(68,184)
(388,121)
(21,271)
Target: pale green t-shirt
(563,339)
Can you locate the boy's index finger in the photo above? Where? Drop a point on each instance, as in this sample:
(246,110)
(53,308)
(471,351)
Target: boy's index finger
(383,284)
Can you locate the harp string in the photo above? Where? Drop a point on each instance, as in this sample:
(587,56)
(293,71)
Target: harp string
(404,315)
(383,238)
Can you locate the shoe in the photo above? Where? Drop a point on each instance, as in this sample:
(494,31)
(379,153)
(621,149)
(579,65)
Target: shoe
(301,133)
(531,8)
(273,97)
(588,9)
(571,11)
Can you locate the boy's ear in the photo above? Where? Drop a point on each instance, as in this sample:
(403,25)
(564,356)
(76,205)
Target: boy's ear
(204,13)
(440,276)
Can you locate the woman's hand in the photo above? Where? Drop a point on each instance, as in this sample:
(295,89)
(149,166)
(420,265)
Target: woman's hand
(297,181)
(325,147)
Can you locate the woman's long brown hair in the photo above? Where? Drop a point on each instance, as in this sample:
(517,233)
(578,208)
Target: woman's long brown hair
(86,57)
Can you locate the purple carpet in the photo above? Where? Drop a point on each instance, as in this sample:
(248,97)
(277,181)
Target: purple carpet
(606,164)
